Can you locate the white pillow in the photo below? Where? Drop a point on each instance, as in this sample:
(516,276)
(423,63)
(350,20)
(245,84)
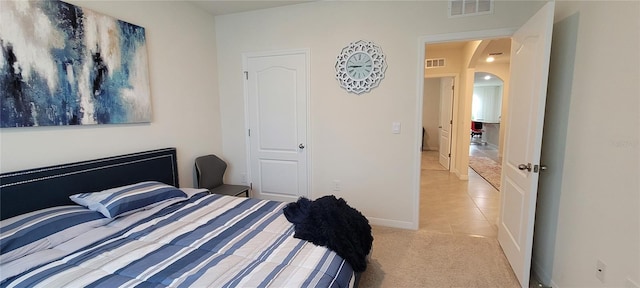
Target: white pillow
(128,199)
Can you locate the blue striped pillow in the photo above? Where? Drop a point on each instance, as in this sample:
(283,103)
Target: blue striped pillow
(128,199)
(28,233)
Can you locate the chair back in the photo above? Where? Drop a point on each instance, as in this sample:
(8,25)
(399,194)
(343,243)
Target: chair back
(210,171)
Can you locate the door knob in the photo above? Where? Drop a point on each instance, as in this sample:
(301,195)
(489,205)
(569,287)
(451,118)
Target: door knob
(301,146)
(525,167)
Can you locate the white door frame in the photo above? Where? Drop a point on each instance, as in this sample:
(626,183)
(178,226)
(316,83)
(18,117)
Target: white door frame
(456,95)
(457,119)
(308,147)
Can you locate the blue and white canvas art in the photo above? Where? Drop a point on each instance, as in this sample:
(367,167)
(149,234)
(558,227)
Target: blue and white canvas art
(65,65)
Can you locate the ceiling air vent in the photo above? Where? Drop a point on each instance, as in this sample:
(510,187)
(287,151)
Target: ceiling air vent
(434,63)
(459,8)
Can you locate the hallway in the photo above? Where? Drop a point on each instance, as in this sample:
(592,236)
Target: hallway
(450,205)
(456,244)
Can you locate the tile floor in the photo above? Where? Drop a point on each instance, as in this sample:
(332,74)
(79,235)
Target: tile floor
(450,205)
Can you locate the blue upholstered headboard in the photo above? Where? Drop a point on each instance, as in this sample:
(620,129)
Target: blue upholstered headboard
(34,189)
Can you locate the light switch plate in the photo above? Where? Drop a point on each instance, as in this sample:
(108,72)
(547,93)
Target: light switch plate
(396,127)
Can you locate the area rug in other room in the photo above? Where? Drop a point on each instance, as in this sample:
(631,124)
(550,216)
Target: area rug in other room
(487,168)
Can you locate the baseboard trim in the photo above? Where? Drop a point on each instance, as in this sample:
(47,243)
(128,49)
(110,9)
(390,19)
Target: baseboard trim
(393,223)
(461,176)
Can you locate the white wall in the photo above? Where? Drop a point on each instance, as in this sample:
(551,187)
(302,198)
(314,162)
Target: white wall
(351,137)
(184,96)
(460,159)
(589,199)
(453,58)
(454,67)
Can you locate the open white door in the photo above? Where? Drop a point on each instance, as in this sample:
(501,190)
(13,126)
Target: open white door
(530,51)
(276,84)
(446,106)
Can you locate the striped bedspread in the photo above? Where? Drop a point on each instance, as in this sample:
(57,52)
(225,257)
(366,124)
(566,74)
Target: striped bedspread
(206,241)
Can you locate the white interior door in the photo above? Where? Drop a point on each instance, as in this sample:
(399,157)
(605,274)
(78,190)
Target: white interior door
(446,106)
(530,52)
(277,92)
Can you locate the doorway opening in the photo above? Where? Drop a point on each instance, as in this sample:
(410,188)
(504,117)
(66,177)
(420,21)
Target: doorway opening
(529,70)
(456,199)
(485,157)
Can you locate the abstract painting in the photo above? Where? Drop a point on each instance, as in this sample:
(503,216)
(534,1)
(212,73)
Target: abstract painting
(65,65)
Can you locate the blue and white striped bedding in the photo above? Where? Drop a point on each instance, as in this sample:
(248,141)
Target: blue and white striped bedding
(44,229)
(206,241)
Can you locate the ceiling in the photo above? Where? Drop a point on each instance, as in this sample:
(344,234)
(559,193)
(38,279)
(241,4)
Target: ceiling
(479,80)
(217,7)
(500,48)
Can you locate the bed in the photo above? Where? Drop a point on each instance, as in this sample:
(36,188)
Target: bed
(129,225)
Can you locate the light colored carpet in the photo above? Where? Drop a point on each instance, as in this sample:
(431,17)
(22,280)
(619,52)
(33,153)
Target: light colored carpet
(407,258)
(487,168)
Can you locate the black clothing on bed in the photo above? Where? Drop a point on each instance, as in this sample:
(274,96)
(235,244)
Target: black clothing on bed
(330,222)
